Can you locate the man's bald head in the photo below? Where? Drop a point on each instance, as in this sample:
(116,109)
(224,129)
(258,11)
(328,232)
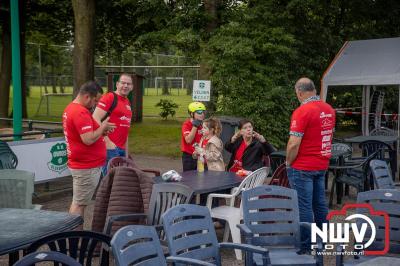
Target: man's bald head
(305,85)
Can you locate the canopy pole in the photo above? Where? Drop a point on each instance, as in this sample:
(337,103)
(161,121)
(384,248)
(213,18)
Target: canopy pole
(367,109)
(16,69)
(398,125)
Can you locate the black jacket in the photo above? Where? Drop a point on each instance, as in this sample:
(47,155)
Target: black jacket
(253,154)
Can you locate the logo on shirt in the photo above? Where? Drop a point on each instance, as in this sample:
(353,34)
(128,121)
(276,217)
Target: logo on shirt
(323,115)
(86,127)
(326,122)
(294,123)
(59,158)
(128,107)
(124,118)
(102,104)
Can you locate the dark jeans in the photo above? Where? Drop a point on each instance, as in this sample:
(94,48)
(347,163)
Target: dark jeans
(117,152)
(188,163)
(310,187)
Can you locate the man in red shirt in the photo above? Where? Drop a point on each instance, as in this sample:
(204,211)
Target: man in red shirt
(308,153)
(191,134)
(116,141)
(85,145)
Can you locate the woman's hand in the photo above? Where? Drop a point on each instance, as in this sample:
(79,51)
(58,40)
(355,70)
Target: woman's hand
(236,136)
(259,137)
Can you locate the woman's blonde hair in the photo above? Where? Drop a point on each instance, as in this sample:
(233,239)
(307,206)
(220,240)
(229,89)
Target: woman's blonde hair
(215,124)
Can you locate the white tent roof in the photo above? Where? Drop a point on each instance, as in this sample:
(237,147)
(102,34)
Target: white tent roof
(366,62)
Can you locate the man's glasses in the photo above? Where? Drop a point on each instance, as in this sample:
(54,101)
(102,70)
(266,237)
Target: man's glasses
(199,112)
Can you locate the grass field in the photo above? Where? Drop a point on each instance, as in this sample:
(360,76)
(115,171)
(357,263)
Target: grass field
(153,136)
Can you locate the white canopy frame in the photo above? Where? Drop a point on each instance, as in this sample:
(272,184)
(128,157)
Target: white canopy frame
(368,63)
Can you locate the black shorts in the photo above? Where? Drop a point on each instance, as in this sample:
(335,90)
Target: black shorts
(188,163)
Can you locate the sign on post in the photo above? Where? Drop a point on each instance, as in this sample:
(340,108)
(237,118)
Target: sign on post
(201,90)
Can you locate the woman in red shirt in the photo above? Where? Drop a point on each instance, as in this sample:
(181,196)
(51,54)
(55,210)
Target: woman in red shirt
(248,148)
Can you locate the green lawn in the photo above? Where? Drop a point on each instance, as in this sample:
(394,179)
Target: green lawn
(153,136)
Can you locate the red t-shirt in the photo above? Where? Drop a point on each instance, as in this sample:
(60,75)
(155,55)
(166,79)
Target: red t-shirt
(238,162)
(77,120)
(121,116)
(314,121)
(186,128)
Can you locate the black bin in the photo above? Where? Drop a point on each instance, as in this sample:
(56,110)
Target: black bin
(229,125)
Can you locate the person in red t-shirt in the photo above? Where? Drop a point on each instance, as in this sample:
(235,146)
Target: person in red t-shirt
(191,129)
(308,153)
(85,145)
(116,141)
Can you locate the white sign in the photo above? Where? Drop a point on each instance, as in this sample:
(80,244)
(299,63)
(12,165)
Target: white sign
(201,90)
(47,158)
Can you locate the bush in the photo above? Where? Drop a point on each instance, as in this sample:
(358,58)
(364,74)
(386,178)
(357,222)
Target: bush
(167,108)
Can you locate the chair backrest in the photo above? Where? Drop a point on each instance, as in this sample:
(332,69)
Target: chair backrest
(165,196)
(190,233)
(137,245)
(254,179)
(382,174)
(370,146)
(272,215)
(382,131)
(277,159)
(120,161)
(80,245)
(16,188)
(8,159)
(387,200)
(280,178)
(41,256)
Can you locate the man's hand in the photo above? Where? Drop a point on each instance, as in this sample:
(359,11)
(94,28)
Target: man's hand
(196,123)
(259,137)
(107,127)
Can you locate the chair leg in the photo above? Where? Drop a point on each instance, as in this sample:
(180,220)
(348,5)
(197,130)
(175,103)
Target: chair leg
(339,192)
(235,238)
(332,192)
(226,233)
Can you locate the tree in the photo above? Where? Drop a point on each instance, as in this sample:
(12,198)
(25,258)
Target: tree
(5,67)
(83,55)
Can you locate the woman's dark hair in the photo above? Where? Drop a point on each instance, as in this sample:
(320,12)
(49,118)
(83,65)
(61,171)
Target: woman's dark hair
(91,87)
(244,122)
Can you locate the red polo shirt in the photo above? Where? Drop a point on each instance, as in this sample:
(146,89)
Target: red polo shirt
(77,120)
(121,116)
(186,128)
(314,121)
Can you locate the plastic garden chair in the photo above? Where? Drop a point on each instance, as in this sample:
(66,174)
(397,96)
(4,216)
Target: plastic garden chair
(41,256)
(231,214)
(163,197)
(139,245)
(8,159)
(16,189)
(383,131)
(271,220)
(190,233)
(381,174)
(279,177)
(386,200)
(80,245)
(277,159)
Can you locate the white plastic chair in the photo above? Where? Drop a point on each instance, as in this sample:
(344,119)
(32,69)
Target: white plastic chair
(231,214)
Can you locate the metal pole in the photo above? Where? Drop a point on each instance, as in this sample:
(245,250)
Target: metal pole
(40,71)
(16,69)
(157,71)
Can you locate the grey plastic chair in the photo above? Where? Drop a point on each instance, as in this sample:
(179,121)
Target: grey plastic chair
(139,245)
(190,233)
(163,197)
(79,245)
(271,220)
(382,176)
(16,189)
(8,159)
(387,200)
(41,256)
(383,131)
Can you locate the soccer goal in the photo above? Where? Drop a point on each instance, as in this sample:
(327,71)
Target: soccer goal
(53,104)
(173,82)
